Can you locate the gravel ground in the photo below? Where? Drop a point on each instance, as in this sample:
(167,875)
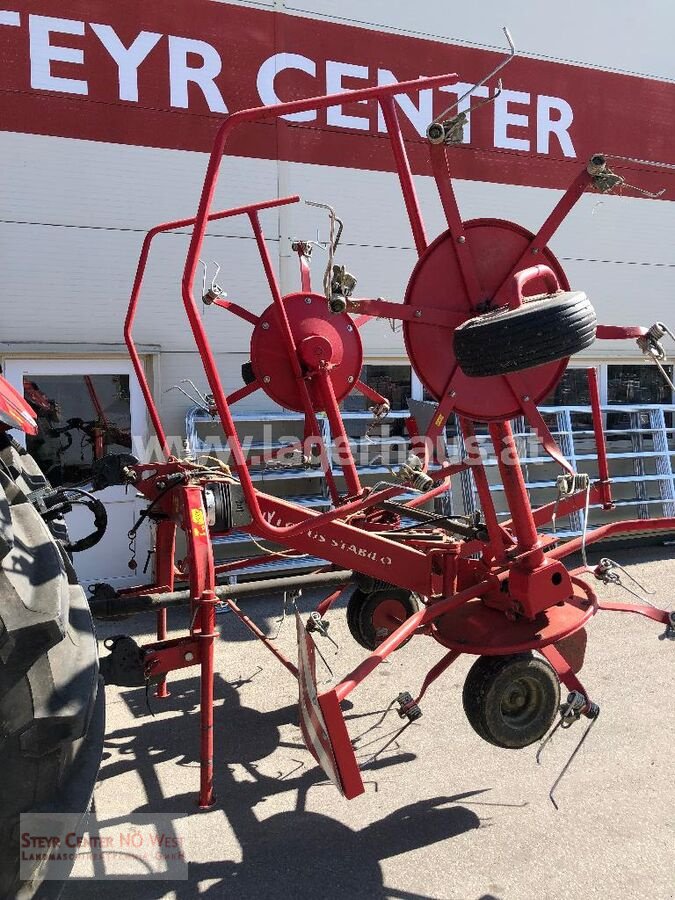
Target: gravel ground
(445,815)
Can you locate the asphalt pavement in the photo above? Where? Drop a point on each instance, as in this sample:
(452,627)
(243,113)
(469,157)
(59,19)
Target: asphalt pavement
(444,815)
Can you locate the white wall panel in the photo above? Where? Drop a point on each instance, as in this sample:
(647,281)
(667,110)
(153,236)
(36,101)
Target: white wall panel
(65,181)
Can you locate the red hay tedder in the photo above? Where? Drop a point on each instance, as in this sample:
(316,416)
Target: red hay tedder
(489,322)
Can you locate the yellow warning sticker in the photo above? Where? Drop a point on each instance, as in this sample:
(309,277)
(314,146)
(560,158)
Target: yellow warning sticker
(439,421)
(198,516)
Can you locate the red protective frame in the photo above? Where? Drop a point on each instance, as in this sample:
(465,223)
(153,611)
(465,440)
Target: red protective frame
(441,572)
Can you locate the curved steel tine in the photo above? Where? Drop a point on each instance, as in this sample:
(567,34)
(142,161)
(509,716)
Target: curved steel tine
(546,740)
(203,265)
(199,400)
(215,274)
(498,68)
(567,765)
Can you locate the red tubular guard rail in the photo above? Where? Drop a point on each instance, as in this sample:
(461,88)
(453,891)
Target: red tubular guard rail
(256,114)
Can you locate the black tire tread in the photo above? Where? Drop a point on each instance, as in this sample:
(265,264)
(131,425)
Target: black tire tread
(49,677)
(543,330)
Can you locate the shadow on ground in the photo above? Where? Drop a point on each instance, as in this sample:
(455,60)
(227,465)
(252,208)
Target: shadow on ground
(295,853)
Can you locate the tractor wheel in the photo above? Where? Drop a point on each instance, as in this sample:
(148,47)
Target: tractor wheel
(511,701)
(51,704)
(373,616)
(542,330)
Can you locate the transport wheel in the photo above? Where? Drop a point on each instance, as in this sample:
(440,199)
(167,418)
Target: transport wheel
(51,705)
(373,616)
(511,701)
(541,330)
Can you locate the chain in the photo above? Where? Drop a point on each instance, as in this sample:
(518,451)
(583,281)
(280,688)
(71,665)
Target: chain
(133,565)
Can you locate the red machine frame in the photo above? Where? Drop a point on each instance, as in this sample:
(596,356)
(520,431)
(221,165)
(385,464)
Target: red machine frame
(516,596)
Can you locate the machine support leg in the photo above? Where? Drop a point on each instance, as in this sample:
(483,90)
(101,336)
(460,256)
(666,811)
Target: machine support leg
(165,549)
(516,492)
(207,611)
(162,689)
(563,668)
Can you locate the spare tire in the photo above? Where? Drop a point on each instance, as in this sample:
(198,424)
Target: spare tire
(542,330)
(51,700)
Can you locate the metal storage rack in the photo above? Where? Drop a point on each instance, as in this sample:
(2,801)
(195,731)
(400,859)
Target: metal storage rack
(382,443)
(648,459)
(649,440)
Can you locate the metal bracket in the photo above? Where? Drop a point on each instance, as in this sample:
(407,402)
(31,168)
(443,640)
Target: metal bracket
(408,708)
(605,180)
(304,247)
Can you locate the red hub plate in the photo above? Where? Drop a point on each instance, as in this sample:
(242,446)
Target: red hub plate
(478,629)
(320,336)
(436,282)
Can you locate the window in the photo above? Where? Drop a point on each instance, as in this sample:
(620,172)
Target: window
(80,419)
(393,382)
(633,385)
(638,384)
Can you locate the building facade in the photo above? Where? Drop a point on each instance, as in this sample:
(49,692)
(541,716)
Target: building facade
(108,111)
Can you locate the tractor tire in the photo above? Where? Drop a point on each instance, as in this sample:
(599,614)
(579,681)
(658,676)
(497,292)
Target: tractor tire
(373,616)
(511,701)
(51,698)
(544,329)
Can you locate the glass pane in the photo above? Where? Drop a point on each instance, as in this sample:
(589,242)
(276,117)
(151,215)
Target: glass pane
(634,385)
(80,418)
(638,384)
(392,382)
(571,390)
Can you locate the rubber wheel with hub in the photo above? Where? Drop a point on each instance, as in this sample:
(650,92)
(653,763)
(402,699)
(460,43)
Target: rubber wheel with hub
(511,701)
(373,616)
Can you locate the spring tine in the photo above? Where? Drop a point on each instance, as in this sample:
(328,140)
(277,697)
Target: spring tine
(498,68)
(324,661)
(373,758)
(567,765)
(546,740)
(196,390)
(203,265)
(215,274)
(651,194)
(615,565)
(177,387)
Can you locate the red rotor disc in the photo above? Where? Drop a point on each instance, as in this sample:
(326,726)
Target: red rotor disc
(320,337)
(436,282)
(479,629)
